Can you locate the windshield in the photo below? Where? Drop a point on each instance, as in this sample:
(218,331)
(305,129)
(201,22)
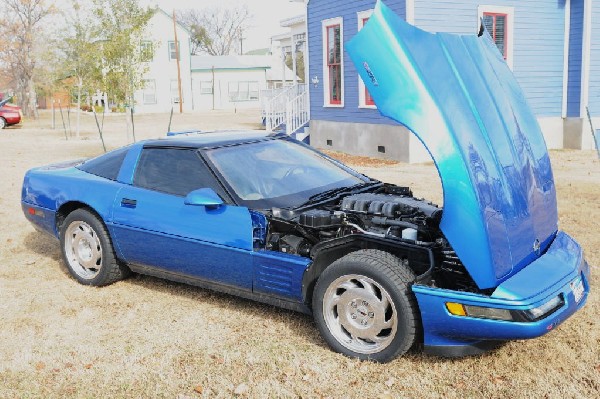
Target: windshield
(279,173)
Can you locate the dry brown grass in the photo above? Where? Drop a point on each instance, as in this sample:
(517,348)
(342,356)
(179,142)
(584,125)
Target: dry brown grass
(145,337)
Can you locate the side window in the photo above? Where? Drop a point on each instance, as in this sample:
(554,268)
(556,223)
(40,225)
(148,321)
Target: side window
(173,171)
(107,165)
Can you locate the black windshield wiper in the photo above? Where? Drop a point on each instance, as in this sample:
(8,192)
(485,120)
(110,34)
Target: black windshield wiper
(335,192)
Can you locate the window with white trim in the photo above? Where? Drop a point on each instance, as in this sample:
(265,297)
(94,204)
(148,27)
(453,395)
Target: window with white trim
(173,51)
(333,62)
(206,87)
(498,21)
(146,50)
(149,91)
(364,97)
(243,91)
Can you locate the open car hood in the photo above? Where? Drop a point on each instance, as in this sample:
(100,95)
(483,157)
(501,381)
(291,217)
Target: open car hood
(458,96)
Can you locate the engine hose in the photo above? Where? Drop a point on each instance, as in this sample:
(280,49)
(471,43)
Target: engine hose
(383,221)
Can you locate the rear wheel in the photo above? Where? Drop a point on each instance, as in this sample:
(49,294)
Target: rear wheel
(3,123)
(364,307)
(87,250)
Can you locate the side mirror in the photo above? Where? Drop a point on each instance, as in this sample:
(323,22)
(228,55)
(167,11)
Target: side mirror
(203,197)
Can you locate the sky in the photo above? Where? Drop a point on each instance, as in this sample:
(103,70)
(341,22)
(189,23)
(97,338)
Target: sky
(266,16)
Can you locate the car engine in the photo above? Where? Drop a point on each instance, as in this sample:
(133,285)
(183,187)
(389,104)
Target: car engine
(389,213)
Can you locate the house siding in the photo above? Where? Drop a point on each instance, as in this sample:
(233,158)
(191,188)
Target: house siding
(162,69)
(575,48)
(594,85)
(538,42)
(319,10)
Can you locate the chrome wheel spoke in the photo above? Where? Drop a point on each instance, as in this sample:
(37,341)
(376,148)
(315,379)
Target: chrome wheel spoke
(335,300)
(368,286)
(347,285)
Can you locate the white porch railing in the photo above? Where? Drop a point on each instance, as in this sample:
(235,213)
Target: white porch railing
(275,106)
(297,113)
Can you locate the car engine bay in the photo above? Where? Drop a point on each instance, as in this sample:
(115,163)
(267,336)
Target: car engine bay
(386,213)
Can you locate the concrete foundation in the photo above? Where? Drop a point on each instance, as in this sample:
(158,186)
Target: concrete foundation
(553,131)
(372,140)
(573,128)
(398,143)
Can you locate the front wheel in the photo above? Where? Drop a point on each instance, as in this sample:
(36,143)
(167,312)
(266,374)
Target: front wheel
(3,123)
(364,307)
(87,250)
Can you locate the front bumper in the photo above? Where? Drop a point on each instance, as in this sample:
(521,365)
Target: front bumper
(549,276)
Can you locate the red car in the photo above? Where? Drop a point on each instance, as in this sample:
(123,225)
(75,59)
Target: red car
(9,114)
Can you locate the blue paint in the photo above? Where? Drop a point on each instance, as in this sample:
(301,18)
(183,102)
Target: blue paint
(575,47)
(319,10)
(538,49)
(517,293)
(277,273)
(203,197)
(538,42)
(162,231)
(459,97)
(51,188)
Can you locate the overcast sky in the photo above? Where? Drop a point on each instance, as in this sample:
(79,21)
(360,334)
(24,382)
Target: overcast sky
(265,21)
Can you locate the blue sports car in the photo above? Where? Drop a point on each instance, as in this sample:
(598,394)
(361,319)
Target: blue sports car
(270,219)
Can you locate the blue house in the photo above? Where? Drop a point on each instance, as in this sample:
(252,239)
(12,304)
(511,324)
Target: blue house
(552,46)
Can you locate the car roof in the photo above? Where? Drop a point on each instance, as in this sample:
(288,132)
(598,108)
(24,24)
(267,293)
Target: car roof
(213,139)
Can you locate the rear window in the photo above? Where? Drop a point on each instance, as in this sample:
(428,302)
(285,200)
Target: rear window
(106,165)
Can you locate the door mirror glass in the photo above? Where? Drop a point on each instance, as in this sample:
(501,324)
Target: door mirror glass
(203,197)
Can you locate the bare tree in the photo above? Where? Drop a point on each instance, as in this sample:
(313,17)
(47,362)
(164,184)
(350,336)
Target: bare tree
(122,25)
(80,59)
(20,28)
(217,30)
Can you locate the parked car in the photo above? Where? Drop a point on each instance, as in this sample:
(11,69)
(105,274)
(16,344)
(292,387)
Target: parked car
(9,114)
(270,219)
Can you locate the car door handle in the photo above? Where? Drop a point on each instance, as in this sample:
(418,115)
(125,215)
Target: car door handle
(128,203)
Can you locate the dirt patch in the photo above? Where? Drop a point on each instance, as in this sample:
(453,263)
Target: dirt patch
(145,337)
(357,160)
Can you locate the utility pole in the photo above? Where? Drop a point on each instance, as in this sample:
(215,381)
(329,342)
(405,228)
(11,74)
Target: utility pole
(241,32)
(178,66)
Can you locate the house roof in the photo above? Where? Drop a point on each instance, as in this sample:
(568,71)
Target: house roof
(170,16)
(208,62)
(298,19)
(259,51)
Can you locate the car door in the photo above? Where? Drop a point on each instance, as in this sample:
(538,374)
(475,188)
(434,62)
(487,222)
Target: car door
(154,228)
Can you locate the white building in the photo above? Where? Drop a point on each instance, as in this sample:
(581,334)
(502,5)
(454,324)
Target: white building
(161,90)
(207,82)
(293,43)
(233,81)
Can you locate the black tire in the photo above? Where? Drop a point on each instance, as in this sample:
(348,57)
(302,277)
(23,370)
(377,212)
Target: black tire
(3,123)
(87,250)
(349,300)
